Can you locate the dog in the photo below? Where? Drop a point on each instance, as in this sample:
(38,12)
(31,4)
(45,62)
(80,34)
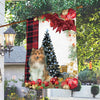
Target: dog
(37,65)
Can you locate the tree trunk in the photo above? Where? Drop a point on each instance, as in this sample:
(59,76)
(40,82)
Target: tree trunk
(93,96)
(71,93)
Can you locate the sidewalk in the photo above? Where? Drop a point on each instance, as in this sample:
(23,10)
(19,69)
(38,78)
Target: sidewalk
(74,98)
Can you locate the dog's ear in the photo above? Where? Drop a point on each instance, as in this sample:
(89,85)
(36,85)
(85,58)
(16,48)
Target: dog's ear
(33,50)
(41,49)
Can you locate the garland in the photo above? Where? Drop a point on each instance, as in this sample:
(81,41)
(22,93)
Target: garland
(63,23)
(68,83)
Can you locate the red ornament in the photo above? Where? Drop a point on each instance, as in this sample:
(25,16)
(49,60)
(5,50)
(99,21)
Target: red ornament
(71,14)
(46,83)
(67,80)
(42,17)
(52,80)
(63,83)
(56,78)
(69,34)
(39,82)
(56,87)
(41,87)
(30,83)
(56,82)
(73,83)
(33,82)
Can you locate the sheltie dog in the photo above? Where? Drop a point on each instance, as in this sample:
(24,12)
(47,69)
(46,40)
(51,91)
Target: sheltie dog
(37,65)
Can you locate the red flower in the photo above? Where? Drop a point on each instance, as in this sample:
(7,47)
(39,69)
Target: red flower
(69,34)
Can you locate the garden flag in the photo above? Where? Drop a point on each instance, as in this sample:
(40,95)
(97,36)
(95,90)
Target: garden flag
(51,60)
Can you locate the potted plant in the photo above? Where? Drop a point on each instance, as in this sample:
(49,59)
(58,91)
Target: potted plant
(95,90)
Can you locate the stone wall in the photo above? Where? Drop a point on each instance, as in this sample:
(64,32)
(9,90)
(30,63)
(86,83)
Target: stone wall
(85,92)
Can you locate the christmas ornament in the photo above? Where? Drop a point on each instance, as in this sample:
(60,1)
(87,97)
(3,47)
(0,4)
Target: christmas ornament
(26,84)
(71,14)
(66,87)
(67,80)
(46,83)
(33,82)
(39,82)
(52,80)
(56,82)
(73,83)
(63,83)
(68,14)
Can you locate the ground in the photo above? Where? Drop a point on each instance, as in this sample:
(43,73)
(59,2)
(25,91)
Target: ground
(74,98)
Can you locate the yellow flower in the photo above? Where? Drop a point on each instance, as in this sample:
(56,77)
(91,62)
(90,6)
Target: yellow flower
(12,94)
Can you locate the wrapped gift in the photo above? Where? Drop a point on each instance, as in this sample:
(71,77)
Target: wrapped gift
(63,68)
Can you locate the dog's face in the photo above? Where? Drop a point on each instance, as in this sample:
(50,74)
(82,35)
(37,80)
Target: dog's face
(37,55)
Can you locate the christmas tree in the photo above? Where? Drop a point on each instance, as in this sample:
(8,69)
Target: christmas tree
(52,64)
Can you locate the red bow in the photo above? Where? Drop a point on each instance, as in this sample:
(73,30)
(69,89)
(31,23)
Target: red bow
(60,24)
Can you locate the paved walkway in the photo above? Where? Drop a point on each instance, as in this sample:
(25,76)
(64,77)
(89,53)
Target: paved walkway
(74,98)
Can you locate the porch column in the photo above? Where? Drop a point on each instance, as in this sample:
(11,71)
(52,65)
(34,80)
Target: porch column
(2,16)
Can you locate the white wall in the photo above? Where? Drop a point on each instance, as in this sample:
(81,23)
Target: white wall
(60,41)
(15,72)
(85,92)
(2,14)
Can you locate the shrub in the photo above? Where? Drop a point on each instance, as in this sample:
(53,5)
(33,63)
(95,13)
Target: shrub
(95,90)
(87,76)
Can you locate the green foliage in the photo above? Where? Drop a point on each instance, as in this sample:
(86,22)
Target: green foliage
(22,10)
(87,76)
(95,90)
(6,83)
(88,42)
